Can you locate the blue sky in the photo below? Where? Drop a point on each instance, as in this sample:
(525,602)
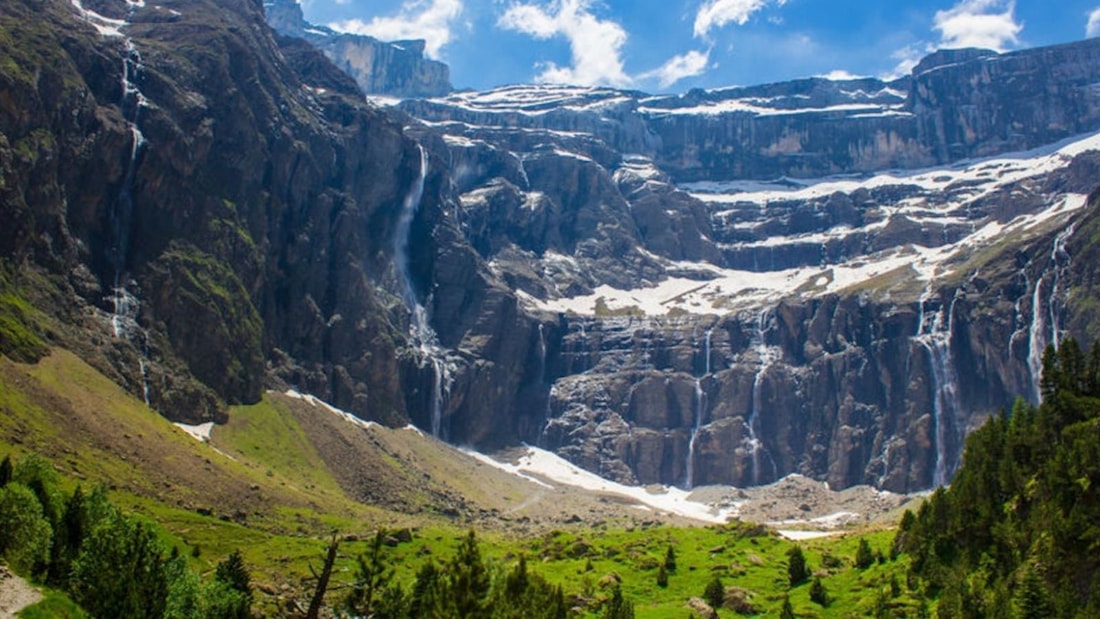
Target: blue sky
(675,45)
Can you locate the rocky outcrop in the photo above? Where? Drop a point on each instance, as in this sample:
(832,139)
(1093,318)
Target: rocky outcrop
(396,68)
(955,105)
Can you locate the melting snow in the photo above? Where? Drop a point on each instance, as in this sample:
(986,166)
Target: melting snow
(558,470)
(315,401)
(200,432)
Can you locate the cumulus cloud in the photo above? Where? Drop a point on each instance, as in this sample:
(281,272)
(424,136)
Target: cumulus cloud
(989,24)
(1093,27)
(679,67)
(431,20)
(595,44)
(717,13)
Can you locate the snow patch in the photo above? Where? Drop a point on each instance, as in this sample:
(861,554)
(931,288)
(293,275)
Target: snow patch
(315,401)
(556,469)
(200,432)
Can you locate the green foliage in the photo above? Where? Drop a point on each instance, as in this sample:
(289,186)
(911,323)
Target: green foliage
(121,570)
(237,595)
(818,593)
(1027,496)
(469,580)
(372,576)
(20,327)
(715,593)
(864,557)
(787,612)
(662,577)
(797,570)
(25,534)
(5,471)
(670,559)
(618,607)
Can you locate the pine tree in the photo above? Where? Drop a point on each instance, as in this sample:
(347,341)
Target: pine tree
(427,596)
(372,576)
(797,570)
(1032,600)
(469,580)
(864,557)
(618,607)
(715,593)
(662,577)
(670,559)
(5,471)
(787,612)
(233,573)
(818,594)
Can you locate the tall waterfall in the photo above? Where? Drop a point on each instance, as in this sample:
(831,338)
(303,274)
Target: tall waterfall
(934,334)
(420,329)
(766,357)
(1045,328)
(700,411)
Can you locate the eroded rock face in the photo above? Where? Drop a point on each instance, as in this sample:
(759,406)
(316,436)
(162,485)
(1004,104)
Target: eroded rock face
(396,68)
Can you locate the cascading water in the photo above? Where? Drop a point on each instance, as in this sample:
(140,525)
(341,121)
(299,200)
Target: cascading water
(1045,328)
(700,411)
(934,334)
(423,336)
(766,357)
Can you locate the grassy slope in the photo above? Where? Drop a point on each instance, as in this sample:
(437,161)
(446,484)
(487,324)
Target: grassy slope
(274,493)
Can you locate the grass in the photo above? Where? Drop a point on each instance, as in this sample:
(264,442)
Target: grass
(54,605)
(271,496)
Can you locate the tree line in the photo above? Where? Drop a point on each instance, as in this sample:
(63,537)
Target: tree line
(1017,534)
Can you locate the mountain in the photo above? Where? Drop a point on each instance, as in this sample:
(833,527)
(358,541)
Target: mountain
(396,68)
(837,279)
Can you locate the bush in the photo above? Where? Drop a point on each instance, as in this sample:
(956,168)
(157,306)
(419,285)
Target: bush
(25,535)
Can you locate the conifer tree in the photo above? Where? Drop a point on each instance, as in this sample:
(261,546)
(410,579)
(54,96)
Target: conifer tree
(469,580)
(5,471)
(797,570)
(787,612)
(715,593)
(372,576)
(864,557)
(618,607)
(818,594)
(670,559)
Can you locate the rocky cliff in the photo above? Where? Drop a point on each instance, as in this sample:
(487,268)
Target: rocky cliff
(394,68)
(204,209)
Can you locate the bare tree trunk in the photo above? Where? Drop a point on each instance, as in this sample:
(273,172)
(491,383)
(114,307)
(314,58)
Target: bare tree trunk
(322,581)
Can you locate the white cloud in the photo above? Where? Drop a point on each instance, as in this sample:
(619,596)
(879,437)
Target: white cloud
(717,13)
(989,24)
(907,58)
(1093,27)
(679,67)
(595,45)
(431,20)
(840,75)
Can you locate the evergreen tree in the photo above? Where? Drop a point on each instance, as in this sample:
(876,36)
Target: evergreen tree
(662,577)
(797,570)
(25,534)
(864,557)
(428,594)
(818,594)
(1032,600)
(68,538)
(5,471)
(120,571)
(787,612)
(618,607)
(670,559)
(469,580)
(715,593)
(372,576)
(234,575)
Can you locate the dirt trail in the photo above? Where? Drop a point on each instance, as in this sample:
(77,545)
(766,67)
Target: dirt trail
(15,594)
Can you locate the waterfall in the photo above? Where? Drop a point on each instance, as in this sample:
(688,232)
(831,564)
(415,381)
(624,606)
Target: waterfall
(766,357)
(700,411)
(934,334)
(124,305)
(1045,328)
(423,335)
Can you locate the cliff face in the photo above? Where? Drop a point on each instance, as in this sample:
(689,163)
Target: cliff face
(172,173)
(955,105)
(396,68)
(205,209)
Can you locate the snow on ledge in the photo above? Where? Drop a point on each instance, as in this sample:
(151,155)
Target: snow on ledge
(556,469)
(315,401)
(200,432)
(797,535)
